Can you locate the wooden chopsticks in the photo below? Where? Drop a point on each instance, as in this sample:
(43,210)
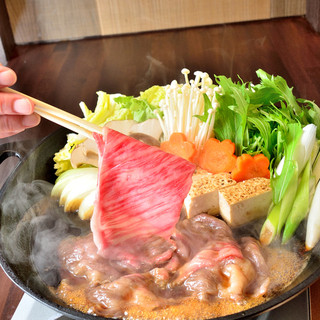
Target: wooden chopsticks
(60,117)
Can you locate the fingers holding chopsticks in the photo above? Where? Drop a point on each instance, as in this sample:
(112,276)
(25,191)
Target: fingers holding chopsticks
(16,112)
(13,124)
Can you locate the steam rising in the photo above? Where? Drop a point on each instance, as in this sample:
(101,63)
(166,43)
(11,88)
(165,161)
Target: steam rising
(33,225)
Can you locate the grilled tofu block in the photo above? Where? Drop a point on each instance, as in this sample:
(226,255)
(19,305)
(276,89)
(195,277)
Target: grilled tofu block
(245,201)
(203,196)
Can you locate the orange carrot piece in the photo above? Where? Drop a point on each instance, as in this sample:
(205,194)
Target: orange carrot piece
(217,156)
(179,146)
(248,167)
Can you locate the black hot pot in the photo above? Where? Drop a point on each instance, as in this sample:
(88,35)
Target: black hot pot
(27,214)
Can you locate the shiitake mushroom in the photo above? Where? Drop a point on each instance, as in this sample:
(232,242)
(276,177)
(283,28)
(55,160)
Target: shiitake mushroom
(145,138)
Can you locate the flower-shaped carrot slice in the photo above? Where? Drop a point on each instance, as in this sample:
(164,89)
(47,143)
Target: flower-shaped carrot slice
(248,167)
(217,156)
(179,146)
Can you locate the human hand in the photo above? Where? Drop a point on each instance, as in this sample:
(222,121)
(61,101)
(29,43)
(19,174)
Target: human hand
(16,112)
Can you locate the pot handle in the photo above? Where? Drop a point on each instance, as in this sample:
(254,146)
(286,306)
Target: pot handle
(18,149)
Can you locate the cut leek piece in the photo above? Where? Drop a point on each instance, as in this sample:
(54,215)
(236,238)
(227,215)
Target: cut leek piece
(78,186)
(269,229)
(313,223)
(68,176)
(86,208)
(77,194)
(300,205)
(316,167)
(73,187)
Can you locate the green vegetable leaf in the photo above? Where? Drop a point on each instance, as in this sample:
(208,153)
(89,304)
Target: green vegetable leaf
(259,123)
(312,114)
(263,95)
(106,110)
(153,95)
(226,121)
(234,98)
(280,86)
(140,110)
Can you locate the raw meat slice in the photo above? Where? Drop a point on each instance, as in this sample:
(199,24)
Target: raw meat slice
(140,191)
